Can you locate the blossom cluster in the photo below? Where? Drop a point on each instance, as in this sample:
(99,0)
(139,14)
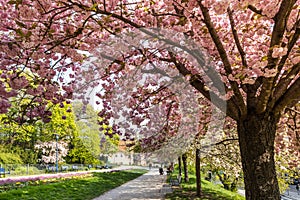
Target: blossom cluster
(48,150)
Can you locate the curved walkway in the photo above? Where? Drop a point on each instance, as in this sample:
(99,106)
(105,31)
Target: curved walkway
(150,186)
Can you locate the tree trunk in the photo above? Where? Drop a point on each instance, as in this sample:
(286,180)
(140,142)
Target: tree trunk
(185,168)
(256,139)
(198,173)
(179,166)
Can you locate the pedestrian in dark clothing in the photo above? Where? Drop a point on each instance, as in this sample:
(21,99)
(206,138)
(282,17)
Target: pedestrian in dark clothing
(161,171)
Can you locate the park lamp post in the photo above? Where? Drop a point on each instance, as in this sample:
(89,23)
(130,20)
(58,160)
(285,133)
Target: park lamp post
(56,168)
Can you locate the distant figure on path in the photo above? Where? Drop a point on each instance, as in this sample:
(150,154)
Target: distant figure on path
(170,169)
(161,171)
(297,188)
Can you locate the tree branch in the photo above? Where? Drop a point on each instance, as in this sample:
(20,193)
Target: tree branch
(289,97)
(254,9)
(285,82)
(290,46)
(238,98)
(236,38)
(278,31)
(293,110)
(221,142)
(198,83)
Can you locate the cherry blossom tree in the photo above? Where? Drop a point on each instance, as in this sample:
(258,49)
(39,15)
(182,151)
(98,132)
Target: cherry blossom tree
(287,143)
(52,151)
(224,158)
(288,139)
(254,45)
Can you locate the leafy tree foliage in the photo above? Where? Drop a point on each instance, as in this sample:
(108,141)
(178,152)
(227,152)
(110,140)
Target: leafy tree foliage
(88,127)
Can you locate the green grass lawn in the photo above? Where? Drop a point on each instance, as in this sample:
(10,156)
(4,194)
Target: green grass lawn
(209,190)
(76,189)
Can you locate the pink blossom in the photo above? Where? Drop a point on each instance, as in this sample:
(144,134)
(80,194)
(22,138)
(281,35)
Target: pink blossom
(279,51)
(296,59)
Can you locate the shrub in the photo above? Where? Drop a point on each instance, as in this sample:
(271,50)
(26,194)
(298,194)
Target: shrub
(22,170)
(10,158)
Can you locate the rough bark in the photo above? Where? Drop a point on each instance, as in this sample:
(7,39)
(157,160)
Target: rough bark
(198,173)
(185,168)
(256,139)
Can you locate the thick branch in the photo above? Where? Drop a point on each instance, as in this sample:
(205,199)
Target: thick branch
(238,98)
(198,83)
(287,75)
(277,35)
(285,82)
(290,96)
(254,9)
(290,46)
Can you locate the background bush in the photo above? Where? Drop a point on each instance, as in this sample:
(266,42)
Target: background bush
(10,158)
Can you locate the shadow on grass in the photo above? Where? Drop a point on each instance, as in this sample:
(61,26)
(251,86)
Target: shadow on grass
(74,189)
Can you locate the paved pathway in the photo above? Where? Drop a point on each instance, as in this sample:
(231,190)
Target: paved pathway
(150,186)
(291,194)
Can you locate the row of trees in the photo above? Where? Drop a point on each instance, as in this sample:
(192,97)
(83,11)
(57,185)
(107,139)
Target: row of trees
(224,161)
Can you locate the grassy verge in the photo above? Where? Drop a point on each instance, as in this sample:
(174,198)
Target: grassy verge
(209,190)
(75,189)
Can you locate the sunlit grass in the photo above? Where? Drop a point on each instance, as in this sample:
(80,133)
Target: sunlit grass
(210,191)
(75,189)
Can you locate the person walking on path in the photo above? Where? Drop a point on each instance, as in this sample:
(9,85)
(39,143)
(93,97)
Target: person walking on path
(148,186)
(297,188)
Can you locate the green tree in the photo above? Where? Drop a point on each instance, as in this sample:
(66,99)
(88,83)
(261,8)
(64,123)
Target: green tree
(88,127)
(78,153)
